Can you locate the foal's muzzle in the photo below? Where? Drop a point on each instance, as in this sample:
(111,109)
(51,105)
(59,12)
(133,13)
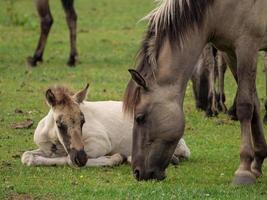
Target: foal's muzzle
(78,158)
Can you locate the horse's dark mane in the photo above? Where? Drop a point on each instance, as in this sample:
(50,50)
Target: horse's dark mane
(172,19)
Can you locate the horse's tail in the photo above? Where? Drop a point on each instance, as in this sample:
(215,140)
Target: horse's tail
(67,4)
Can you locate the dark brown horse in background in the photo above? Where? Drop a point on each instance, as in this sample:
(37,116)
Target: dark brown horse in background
(46,20)
(177,33)
(208,82)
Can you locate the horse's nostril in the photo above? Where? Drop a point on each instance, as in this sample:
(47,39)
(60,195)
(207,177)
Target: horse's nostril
(137,174)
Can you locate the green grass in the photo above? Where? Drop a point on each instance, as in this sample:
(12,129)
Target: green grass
(108,39)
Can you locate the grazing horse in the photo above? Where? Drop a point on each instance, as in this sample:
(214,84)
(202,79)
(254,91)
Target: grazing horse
(81,133)
(46,20)
(178,30)
(210,69)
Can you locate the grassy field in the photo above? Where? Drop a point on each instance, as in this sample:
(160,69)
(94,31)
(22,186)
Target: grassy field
(108,39)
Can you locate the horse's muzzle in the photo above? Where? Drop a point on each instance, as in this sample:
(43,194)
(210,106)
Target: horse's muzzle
(78,158)
(141,175)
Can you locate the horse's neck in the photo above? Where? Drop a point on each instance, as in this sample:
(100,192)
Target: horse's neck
(176,65)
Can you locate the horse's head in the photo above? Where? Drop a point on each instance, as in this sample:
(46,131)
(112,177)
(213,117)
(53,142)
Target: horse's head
(69,120)
(158,126)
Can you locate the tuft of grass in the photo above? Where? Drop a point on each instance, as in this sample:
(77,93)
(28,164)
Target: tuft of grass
(108,39)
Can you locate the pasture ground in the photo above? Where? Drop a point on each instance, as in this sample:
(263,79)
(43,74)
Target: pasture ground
(108,39)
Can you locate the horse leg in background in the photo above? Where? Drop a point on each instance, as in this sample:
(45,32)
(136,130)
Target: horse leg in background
(265,67)
(46,23)
(260,148)
(221,66)
(209,64)
(246,55)
(71,18)
(200,84)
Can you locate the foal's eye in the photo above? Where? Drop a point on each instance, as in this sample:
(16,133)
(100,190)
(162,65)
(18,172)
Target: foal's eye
(82,121)
(59,123)
(140,119)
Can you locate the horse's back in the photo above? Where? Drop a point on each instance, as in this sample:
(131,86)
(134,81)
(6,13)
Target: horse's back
(109,115)
(234,20)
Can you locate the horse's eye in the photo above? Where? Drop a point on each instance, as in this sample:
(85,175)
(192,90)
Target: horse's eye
(140,119)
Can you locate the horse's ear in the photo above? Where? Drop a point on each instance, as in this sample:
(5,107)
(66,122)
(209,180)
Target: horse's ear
(50,97)
(138,78)
(80,96)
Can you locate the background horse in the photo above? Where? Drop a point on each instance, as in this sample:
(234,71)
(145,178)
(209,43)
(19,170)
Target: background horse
(82,133)
(46,20)
(208,73)
(176,35)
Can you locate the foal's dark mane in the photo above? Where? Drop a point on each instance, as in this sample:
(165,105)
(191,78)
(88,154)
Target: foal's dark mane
(172,19)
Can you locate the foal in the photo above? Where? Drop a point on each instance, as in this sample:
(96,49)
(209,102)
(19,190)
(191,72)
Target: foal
(46,20)
(82,133)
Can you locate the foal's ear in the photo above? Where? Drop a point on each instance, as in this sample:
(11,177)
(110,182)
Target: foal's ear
(50,97)
(80,96)
(138,78)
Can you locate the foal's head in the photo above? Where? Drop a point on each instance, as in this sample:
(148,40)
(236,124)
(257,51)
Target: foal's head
(69,121)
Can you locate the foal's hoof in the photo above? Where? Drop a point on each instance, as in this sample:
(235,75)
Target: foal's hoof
(244,178)
(175,160)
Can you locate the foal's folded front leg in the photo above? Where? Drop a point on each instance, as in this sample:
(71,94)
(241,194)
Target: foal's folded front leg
(106,161)
(38,158)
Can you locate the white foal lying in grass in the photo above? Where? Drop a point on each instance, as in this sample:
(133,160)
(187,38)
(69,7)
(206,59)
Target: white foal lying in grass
(82,133)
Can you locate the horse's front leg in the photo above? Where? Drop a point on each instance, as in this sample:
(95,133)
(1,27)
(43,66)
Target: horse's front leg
(71,18)
(246,73)
(260,147)
(46,23)
(107,161)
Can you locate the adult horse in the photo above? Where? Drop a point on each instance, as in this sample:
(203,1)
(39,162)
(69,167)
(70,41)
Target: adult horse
(46,20)
(177,33)
(81,133)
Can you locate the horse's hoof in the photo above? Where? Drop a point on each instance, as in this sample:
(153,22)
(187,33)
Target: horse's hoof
(72,61)
(210,113)
(244,178)
(256,173)
(256,170)
(265,119)
(232,114)
(31,61)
